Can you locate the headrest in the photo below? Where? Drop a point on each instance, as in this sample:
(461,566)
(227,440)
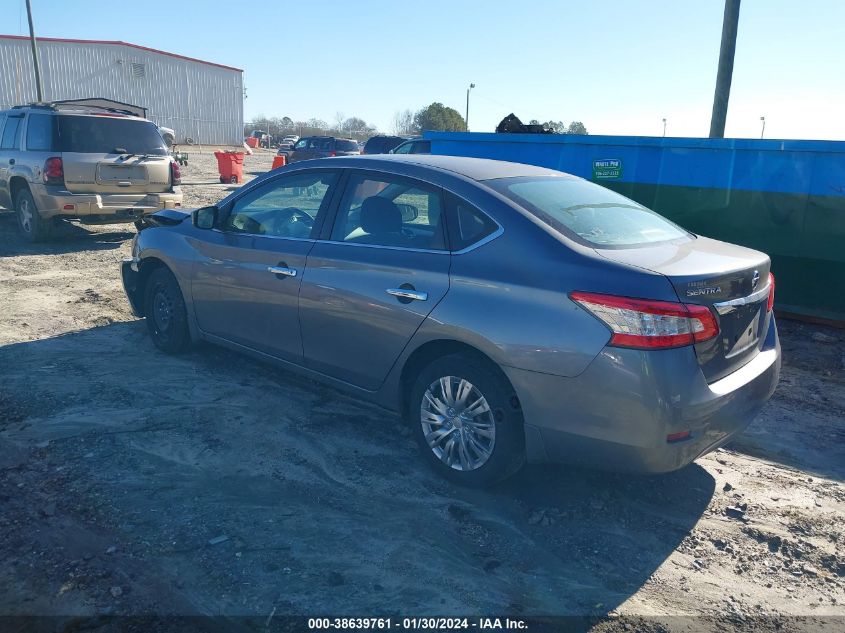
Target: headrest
(380,215)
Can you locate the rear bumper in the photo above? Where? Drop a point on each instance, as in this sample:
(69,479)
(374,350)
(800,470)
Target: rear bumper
(57,201)
(617,414)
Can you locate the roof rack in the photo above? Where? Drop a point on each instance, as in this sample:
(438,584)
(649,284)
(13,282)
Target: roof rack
(106,105)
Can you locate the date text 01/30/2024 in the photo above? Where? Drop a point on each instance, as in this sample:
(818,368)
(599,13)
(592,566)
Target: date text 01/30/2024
(422,623)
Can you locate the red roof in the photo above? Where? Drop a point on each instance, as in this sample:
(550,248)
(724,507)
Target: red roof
(119,43)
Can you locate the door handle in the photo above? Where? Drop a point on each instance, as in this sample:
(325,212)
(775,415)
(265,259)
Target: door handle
(282,270)
(407,293)
(11,161)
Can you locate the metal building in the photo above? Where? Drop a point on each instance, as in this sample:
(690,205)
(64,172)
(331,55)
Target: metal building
(201,101)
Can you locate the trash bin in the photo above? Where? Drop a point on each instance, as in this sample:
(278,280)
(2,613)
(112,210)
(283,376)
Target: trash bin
(278,161)
(231,166)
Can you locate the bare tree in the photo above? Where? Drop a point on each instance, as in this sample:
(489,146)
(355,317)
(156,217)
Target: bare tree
(403,123)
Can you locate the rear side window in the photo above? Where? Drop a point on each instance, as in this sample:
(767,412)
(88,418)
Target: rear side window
(374,145)
(467,225)
(109,135)
(39,133)
(346,146)
(588,212)
(12,133)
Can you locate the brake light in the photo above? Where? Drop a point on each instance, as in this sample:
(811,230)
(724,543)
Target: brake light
(53,172)
(647,324)
(332,153)
(175,173)
(771,302)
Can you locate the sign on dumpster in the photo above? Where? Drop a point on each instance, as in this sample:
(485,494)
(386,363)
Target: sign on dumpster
(607,169)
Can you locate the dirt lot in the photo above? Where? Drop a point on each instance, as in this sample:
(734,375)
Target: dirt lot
(133,483)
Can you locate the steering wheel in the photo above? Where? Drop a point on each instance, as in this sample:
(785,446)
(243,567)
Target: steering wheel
(287,219)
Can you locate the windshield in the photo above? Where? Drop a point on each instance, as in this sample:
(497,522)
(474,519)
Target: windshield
(109,135)
(588,212)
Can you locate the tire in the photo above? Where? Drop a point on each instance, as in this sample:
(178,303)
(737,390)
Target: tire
(474,459)
(32,226)
(164,309)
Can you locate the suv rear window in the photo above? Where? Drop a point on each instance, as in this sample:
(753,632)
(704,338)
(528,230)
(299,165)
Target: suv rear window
(107,135)
(588,212)
(346,146)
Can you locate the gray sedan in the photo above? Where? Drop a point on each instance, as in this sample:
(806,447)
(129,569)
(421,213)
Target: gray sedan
(510,313)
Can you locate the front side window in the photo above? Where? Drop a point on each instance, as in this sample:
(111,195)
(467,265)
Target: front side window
(109,135)
(390,211)
(12,133)
(39,132)
(404,148)
(285,207)
(588,212)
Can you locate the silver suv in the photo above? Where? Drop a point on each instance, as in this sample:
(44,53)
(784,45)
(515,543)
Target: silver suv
(96,165)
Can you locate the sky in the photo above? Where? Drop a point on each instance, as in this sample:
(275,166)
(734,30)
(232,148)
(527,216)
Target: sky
(619,67)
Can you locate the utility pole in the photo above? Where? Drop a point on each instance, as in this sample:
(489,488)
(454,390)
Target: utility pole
(466,121)
(39,90)
(726,69)
(763,131)
(664,127)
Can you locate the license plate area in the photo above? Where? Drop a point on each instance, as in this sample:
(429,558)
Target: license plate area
(116,174)
(741,329)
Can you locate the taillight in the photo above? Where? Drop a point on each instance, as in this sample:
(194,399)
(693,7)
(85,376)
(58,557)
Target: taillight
(53,172)
(646,324)
(771,302)
(175,173)
(332,153)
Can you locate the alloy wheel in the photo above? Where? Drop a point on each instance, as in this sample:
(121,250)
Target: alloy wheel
(458,423)
(25,215)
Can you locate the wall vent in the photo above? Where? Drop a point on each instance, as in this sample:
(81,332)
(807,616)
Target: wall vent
(138,70)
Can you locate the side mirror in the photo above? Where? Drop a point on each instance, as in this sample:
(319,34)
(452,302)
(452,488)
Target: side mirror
(409,212)
(205,218)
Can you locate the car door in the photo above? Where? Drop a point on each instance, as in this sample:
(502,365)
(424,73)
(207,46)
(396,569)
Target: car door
(10,142)
(245,285)
(303,149)
(369,287)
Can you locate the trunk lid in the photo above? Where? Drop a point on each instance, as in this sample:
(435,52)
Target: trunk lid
(731,280)
(113,173)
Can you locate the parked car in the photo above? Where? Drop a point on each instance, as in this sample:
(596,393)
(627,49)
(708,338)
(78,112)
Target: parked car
(96,165)
(382,144)
(322,147)
(285,149)
(510,313)
(290,138)
(168,134)
(414,146)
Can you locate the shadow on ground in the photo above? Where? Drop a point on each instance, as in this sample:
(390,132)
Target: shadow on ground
(229,487)
(67,238)
(803,425)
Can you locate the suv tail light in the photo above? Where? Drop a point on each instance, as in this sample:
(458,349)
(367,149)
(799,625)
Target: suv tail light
(771,302)
(646,324)
(175,173)
(333,153)
(53,172)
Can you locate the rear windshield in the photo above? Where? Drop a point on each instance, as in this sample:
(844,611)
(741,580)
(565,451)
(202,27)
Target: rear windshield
(588,212)
(346,146)
(109,135)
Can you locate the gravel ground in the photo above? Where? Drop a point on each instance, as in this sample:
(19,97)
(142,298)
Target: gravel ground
(133,483)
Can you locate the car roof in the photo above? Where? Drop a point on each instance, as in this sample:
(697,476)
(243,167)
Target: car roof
(473,168)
